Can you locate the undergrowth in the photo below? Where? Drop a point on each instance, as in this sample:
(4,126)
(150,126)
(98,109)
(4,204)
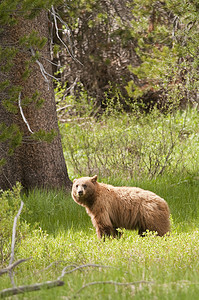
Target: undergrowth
(155,152)
(133,146)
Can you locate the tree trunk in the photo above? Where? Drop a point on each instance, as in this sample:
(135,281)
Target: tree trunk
(35,163)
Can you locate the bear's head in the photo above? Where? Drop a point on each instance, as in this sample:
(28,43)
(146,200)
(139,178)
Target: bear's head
(83,190)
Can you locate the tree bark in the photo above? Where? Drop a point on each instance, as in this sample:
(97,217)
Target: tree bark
(34,163)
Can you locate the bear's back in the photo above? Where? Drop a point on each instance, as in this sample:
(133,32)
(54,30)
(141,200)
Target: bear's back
(124,194)
(126,204)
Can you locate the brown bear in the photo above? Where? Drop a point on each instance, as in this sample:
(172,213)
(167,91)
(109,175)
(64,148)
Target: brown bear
(121,207)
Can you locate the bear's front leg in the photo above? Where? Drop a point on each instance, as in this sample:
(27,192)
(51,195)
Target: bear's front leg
(103,225)
(103,231)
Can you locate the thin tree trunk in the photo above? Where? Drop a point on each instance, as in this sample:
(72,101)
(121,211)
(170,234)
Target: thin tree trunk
(34,163)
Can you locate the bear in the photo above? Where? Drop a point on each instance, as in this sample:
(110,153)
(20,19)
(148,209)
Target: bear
(113,207)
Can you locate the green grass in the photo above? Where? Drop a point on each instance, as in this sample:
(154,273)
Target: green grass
(56,211)
(61,234)
(154,152)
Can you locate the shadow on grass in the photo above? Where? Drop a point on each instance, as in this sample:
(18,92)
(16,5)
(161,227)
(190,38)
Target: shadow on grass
(54,211)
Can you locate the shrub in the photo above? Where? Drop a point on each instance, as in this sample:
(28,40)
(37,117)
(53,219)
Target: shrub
(134,145)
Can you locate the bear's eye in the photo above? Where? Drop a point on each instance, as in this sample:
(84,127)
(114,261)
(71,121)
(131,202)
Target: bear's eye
(76,185)
(84,186)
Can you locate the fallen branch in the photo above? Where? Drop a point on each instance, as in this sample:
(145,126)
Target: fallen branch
(30,288)
(64,272)
(12,266)
(24,288)
(113,283)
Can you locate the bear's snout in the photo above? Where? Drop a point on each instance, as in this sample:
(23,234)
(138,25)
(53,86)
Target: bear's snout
(80,190)
(80,193)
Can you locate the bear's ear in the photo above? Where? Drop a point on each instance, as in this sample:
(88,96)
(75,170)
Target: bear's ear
(94,179)
(74,180)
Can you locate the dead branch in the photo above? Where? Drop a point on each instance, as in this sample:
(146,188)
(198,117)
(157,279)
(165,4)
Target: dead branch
(64,272)
(30,288)
(64,107)
(13,243)
(55,17)
(37,286)
(22,114)
(12,266)
(71,88)
(77,120)
(43,71)
(56,263)
(25,288)
(113,283)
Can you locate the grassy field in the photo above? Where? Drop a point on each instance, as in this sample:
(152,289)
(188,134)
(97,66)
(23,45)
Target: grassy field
(155,152)
(61,235)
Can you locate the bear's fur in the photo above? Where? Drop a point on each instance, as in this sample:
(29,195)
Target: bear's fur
(121,207)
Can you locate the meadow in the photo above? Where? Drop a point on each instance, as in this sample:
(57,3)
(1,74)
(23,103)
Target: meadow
(158,153)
